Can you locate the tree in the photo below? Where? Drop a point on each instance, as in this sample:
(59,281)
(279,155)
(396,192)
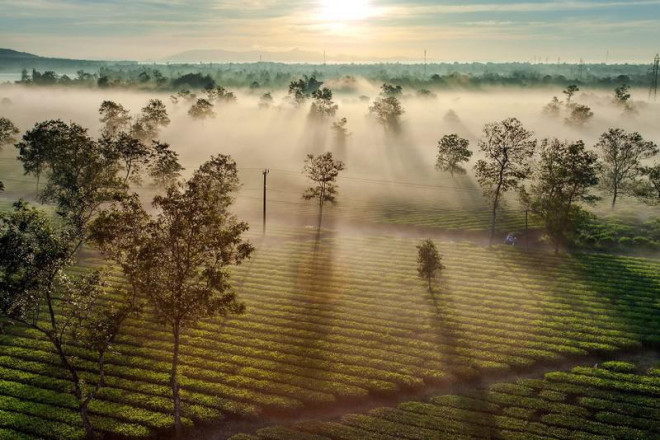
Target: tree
(553,109)
(622,94)
(34,255)
(115,118)
(648,189)
(563,178)
(266,100)
(302,89)
(164,167)
(452,150)
(152,118)
(182,255)
(322,170)
(390,90)
(340,131)
(8,132)
(220,94)
(387,111)
(323,107)
(429,261)
(580,115)
(622,98)
(37,252)
(569,92)
(508,149)
(133,155)
(201,109)
(36,145)
(621,154)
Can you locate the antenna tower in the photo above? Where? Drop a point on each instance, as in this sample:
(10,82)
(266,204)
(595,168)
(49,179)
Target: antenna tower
(653,90)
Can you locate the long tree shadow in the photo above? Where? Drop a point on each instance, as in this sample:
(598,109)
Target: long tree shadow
(612,298)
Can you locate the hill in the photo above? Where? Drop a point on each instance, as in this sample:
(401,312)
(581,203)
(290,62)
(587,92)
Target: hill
(14,61)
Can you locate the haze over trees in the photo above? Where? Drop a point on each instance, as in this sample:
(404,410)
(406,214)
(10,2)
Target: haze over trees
(452,152)
(508,148)
(201,109)
(622,154)
(387,109)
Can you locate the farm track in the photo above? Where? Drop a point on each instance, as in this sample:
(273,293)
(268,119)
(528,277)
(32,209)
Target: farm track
(230,427)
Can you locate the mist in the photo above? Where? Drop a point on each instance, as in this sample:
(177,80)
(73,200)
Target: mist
(383,170)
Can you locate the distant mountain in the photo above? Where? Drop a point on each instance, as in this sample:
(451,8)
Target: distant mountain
(290,56)
(14,61)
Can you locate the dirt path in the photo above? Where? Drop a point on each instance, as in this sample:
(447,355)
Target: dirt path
(643,357)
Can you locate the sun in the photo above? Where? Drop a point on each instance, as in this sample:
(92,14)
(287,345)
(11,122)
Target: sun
(345,10)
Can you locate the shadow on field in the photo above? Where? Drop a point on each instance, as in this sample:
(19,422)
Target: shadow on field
(627,288)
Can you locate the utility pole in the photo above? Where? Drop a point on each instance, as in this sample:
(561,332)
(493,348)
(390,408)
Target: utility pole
(265,173)
(653,90)
(424,63)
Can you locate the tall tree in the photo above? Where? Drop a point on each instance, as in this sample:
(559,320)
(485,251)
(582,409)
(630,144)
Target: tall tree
(302,89)
(201,109)
(36,252)
(115,117)
(164,167)
(341,132)
(8,132)
(452,151)
(322,170)
(579,116)
(387,111)
(648,189)
(220,94)
(132,154)
(266,100)
(151,120)
(182,255)
(323,107)
(508,148)
(34,257)
(569,92)
(563,177)
(621,154)
(429,261)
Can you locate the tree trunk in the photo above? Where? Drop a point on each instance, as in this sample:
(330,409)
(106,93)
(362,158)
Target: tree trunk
(175,381)
(616,193)
(429,280)
(89,431)
(494,216)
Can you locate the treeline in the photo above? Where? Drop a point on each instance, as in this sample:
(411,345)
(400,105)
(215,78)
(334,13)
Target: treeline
(273,75)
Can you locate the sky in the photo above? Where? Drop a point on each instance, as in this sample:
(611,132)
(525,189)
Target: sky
(454,30)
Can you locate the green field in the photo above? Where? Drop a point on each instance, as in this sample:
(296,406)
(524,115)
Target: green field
(338,318)
(590,403)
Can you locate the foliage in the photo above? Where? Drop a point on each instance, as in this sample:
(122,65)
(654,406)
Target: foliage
(428,261)
(340,131)
(323,107)
(579,116)
(553,109)
(201,109)
(303,88)
(562,179)
(164,167)
(220,94)
(115,117)
(569,91)
(266,100)
(648,189)
(387,111)
(452,150)
(179,259)
(621,154)
(8,132)
(391,90)
(322,170)
(508,149)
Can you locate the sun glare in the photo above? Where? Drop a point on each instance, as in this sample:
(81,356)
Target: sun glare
(345,10)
